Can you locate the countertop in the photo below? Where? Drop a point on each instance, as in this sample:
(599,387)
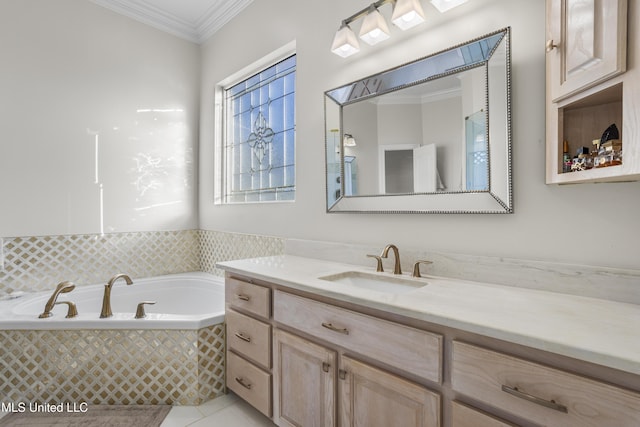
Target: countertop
(590,329)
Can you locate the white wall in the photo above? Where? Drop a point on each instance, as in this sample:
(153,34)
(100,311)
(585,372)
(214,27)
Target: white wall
(71,70)
(596,224)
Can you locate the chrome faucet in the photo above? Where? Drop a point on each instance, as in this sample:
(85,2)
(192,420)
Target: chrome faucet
(396,254)
(106,299)
(62,288)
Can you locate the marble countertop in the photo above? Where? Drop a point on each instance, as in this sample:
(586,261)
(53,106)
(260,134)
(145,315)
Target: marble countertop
(590,329)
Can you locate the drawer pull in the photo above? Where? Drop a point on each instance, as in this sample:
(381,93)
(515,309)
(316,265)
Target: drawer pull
(243,297)
(335,329)
(242,382)
(243,337)
(534,399)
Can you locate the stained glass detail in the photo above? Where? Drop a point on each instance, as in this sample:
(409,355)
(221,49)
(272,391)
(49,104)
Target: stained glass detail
(259,150)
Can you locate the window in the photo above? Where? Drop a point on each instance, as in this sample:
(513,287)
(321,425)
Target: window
(258,143)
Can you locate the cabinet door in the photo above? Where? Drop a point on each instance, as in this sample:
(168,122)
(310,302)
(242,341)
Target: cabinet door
(370,397)
(304,382)
(586,43)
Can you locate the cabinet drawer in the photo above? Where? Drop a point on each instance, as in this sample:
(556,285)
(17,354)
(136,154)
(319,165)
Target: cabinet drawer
(543,395)
(249,337)
(249,297)
(412,350)
(249,382)
(465,416)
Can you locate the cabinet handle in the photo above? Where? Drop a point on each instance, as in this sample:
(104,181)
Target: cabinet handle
(243,297)
(335,329)
(534,399)
(242,382)
(243,337)
(550,45)
(342,374)
(325,366)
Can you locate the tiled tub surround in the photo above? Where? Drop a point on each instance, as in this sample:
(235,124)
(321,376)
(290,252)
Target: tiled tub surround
(175,355)
(113,367)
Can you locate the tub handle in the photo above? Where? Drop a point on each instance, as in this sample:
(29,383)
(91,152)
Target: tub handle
(140,314)
(244,297)
(243,337)
(72,311)
(243,383)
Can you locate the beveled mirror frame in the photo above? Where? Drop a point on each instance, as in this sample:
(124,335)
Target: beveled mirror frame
(498,197)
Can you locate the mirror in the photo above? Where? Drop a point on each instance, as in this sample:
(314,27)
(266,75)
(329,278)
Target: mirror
(430,136)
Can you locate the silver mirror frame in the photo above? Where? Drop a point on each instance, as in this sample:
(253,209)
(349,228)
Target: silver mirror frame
(498,198)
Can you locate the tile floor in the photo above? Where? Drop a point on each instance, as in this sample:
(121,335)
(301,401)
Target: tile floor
(228,411)
(225,411)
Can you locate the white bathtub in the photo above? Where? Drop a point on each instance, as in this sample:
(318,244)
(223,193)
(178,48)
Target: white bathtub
(183,301)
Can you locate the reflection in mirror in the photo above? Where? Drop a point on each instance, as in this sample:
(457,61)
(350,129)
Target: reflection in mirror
(432,135)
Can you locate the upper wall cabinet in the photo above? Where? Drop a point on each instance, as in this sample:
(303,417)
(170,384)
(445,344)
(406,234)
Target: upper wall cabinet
(592,95)
(586,43)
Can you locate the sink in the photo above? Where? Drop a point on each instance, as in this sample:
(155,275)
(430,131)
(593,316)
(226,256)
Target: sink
(376,282)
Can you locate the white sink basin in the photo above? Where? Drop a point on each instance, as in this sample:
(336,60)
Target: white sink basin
(376,281)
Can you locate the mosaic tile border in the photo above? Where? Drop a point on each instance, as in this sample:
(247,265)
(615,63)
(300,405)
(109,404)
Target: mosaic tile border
(38,263)
(113,367)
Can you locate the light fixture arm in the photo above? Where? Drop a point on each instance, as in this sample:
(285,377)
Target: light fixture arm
(365,11)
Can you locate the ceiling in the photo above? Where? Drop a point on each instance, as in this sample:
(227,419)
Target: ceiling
(193,20)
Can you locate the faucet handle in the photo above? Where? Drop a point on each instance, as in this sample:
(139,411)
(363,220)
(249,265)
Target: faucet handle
(416,267)
(379,268)
(72,311)
(140,314)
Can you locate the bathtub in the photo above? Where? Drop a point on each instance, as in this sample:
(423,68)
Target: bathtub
(183,301)
(174,356)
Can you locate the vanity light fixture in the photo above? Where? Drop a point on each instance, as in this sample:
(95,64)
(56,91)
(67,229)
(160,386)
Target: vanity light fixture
(406,14)
(444,5)
(374,29)
(348,140)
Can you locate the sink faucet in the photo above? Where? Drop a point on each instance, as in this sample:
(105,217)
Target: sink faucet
(62,288)
(396,254)
(106,299)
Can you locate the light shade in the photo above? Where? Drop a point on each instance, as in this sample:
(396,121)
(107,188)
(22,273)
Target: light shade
(444,5)
(374,28)
(349,140)
(345,42)
(407,14)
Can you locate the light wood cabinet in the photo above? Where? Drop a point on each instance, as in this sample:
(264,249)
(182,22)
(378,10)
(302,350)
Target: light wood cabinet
(586,43)
(304,382)
(305,393)
(371,397)
(248,349)
(590,87)
(540,394)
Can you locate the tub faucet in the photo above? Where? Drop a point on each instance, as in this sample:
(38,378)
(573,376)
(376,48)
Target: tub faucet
(106,299)
(396,254)
(62,288)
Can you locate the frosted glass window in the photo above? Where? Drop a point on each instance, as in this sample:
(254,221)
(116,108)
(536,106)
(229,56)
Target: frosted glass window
(259,148)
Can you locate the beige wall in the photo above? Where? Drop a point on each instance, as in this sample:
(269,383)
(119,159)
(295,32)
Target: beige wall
(73,72)
(594,224)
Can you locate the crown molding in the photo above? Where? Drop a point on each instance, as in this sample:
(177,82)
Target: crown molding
(215,17)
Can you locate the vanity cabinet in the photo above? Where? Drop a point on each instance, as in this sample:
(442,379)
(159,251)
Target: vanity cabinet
(589,87)
(305,374)
(538,393)
(248,310)
(304,359)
